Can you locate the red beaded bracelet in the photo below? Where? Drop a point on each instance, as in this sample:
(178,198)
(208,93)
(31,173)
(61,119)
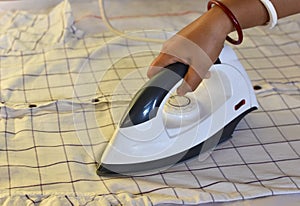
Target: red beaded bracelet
(232,18)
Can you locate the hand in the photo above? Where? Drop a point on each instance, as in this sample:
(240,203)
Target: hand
(198,45)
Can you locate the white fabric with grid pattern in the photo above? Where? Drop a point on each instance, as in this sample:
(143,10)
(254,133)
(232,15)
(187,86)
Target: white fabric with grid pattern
(57,116)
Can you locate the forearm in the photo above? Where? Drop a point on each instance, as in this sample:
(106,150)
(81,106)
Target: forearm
(251,13)
(216,24)
(286,7)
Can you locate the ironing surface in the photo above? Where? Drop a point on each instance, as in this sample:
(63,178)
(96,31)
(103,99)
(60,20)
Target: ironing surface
(60,104)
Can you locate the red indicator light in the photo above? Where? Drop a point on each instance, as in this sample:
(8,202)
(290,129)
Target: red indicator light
(241,103)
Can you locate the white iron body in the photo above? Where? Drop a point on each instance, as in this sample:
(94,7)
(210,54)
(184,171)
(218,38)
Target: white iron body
(183,127)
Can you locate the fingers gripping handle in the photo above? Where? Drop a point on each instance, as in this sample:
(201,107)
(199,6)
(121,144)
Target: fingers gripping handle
(149,98)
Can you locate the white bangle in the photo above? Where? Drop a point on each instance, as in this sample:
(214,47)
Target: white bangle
(272,13)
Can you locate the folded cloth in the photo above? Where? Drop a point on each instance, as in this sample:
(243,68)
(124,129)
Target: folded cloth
(23,31)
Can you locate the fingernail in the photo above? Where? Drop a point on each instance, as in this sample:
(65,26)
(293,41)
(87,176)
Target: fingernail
(207,75)
(181,91)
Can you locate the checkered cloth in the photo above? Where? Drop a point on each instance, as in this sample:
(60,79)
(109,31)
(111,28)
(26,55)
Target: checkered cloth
(62,94)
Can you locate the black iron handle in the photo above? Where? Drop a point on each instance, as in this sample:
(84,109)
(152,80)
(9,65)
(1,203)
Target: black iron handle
(148,99)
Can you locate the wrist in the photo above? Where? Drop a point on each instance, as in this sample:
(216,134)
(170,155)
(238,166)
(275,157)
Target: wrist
(243,10)
(231,17)
(209,32)
(220,21)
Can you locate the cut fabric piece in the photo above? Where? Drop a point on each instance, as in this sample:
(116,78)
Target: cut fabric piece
(23,31)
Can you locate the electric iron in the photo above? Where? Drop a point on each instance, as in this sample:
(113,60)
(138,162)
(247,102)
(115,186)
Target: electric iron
(160,129)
